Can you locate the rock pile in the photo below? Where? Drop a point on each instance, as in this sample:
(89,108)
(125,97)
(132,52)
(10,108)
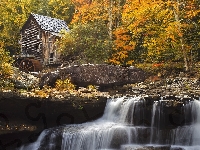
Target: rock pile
(24,80)
(179,88)
(49,79)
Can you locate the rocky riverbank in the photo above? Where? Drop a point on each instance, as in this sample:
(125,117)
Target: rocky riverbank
(23,117)
(25,113)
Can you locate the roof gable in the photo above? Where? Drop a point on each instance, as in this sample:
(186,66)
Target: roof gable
(48,24)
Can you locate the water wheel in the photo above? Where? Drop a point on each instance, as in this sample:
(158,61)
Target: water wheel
(28,65)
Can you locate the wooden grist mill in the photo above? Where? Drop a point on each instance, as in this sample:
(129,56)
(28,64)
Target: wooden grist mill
(38,43)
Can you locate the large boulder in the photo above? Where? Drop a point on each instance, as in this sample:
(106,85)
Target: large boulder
(49,79)
(23,80)
(100,75)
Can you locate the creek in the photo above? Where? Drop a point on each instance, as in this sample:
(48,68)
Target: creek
(124,126)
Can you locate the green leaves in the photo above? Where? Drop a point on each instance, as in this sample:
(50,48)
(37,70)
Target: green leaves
(86,43)
(61,9)
(15,13)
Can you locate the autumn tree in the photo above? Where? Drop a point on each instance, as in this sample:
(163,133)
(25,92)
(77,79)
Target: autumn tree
(14,14)
(187,13)
(129,31)
(61,9)
(159,30)
(97,19)
(105,11)
(86,12)
(122,48)
(143,19)
(6,68)
(88,40)
(86,43)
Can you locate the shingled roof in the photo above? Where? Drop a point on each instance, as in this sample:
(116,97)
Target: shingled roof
(47,23)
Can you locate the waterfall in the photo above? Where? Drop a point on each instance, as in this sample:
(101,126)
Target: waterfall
(35,146)
(152,121)
(189,135)
(124,126)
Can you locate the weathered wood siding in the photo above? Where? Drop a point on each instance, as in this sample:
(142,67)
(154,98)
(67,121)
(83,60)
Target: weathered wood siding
(51,56)
(31,41)
(39,43)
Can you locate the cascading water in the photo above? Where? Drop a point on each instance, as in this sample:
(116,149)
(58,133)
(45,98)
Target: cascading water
(123,126)
(186,137)
(189,135)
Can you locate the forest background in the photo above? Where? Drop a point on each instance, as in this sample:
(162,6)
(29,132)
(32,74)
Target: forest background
(144,33)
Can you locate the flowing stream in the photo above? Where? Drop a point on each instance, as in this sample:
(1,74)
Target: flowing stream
(123,126)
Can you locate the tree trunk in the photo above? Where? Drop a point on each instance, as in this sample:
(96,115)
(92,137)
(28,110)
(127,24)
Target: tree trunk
(184,55)
(183,50)
(110,19)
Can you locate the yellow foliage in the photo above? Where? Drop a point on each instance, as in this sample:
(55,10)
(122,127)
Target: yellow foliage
(42,93)
(64,85)
(6,69)
(89,12)
(92,88)
(130,62)
(13,16)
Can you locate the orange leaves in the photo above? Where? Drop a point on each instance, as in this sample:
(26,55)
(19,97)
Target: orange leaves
(144,30)
(123,39)
(122,46)
(157,27)
(89,12)
(80,2)
(156,65)
(192,10)
(187,9)
(118,57)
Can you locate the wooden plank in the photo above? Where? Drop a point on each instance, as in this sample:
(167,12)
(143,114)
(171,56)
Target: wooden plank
(34,42)
(31,36)
(31,31)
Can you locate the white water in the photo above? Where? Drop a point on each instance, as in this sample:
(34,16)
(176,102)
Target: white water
(116,130)
(152,121)
(186,137)
(189,134)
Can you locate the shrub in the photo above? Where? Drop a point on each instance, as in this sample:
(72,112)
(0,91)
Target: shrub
(92,88)
(165,69)
(64,84)
(6,69)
